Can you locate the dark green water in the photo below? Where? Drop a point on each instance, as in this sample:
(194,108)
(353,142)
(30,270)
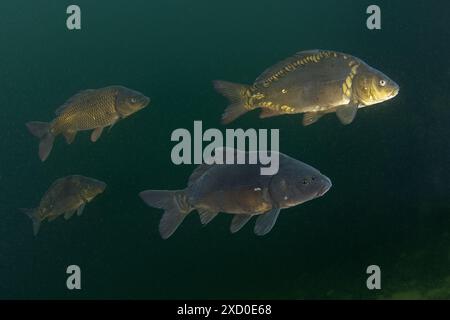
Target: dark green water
(389,204)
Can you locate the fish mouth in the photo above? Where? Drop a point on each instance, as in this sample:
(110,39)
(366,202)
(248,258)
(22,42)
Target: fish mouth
(102,186)
(326,185)
(394,92)
(145,101)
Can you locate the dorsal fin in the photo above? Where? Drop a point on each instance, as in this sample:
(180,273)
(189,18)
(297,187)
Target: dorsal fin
(198,172)
(201,169)
(72,99)
(290,64)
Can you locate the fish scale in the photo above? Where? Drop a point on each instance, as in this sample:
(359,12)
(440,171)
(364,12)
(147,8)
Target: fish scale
(313,82)
(86,110)
(89,112)
(64,197)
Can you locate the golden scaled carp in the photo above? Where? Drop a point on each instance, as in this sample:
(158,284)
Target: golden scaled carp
(87,110)
(314,82)
(65,197)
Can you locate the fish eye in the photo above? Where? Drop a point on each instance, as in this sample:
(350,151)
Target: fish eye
(305,181)
(313,178)
(382,82)
(133,100)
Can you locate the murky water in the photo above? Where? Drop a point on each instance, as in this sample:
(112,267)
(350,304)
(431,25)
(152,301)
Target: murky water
(389,204)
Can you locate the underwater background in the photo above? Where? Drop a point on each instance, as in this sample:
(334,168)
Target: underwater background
(389,204)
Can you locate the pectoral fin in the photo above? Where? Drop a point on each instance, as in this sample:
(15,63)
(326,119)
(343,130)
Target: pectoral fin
(69,214)
(239,220)
(80,209)
(70,136)
(206,216)
(96,134)
(347,114)
(266,221)
(311,117)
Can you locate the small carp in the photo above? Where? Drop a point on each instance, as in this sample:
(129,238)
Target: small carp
(241,190)
(87,110)
(314,82)
(65,197)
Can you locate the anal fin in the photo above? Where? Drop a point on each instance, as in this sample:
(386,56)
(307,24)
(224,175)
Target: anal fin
(311,117)
(239,221)
(69,214)
(70,136)
(206,216)
(267,113)
(51,218)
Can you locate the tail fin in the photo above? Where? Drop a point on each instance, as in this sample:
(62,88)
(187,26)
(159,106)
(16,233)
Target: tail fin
(175,205)
(33,216)
(237,94)
(41,130)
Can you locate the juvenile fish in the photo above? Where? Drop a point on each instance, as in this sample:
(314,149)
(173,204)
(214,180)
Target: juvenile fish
(87,110)
(314,82)
(241,190)
(65,197)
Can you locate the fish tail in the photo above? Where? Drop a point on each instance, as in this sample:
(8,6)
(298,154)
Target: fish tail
(41,130)
(175,205)
(32,214)
(238,95)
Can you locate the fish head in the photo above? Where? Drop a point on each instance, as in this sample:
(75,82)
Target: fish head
(90,188)
(297,183)
(130,101)
(373,86)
